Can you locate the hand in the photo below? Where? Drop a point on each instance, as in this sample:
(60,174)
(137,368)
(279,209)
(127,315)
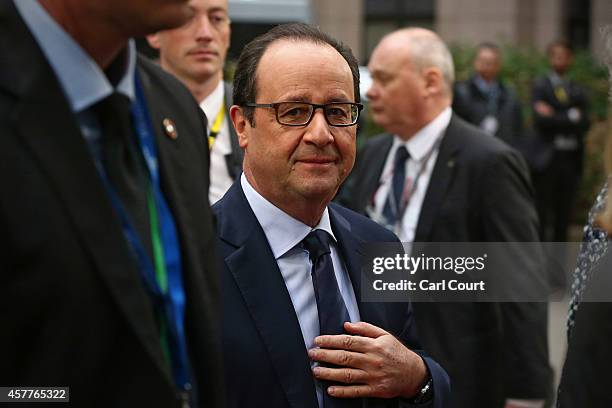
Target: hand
(543,109)
(371,360)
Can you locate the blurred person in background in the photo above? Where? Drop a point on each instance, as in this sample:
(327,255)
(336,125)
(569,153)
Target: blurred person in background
(486,101)
(435,178)
(107,270)
(561,120)
(195,53)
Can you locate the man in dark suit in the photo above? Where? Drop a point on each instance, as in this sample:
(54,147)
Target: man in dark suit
(195,54)
(486,101)
(561,120)
(291,272)
(435,178)
(106,262)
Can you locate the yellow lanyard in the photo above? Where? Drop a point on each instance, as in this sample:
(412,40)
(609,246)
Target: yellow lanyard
(561,94)
(216,126)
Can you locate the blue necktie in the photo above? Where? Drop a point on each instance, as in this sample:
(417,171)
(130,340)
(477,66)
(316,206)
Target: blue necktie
(391,210)
(332,309)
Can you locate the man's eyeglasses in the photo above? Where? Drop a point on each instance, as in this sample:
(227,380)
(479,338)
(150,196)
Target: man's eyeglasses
(301,113)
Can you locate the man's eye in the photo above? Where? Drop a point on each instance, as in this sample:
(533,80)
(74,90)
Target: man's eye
(337,111)
(298,111)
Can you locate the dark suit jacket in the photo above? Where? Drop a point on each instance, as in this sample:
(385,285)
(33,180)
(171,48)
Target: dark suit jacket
(266,364)
(472,105)
(479,191)
(547,127)
(73,306)
(235,157)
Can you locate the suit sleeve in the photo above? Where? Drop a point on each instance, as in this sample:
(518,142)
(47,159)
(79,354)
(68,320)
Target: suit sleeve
(511,217)
(560,122)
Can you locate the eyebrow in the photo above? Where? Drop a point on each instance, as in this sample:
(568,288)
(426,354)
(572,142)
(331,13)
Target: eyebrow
(216,10)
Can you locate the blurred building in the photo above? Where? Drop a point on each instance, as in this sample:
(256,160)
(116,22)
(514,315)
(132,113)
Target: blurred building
(361,23)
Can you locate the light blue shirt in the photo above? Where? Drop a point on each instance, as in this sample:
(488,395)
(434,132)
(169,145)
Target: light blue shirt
(82,80)
(284,233)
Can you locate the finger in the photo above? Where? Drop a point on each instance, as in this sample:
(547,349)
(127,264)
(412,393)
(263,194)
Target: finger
(364,329)
(344,342)
(338,357)
(351,391)
(343,375)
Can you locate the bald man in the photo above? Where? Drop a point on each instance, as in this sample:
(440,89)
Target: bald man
(459,185)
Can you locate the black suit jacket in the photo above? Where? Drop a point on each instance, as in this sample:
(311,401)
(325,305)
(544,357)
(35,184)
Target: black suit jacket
(472,105)
(265,358)
(479,191)
(73,306)
(548,127)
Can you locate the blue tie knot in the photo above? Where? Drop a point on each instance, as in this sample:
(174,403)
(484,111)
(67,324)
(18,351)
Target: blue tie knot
(317,244)
(401,155)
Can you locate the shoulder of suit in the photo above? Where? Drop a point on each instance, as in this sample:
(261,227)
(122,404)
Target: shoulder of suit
(162,79)
(362,227)
(377,141)
(474,140)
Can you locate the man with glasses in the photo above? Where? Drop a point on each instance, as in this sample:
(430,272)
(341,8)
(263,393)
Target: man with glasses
(195,54)
(294,326)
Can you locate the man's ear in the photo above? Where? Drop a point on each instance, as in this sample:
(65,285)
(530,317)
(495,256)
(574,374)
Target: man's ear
(153,40)
(241,125)
(434,81)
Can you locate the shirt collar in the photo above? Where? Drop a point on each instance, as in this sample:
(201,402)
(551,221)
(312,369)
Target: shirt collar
(485,86)
(282,230)
(212,103)
(424,140)
(82,80)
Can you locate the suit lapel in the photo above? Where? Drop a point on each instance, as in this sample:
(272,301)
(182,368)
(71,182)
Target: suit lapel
(261,284)
(351,251)
(44,121)
(441,180)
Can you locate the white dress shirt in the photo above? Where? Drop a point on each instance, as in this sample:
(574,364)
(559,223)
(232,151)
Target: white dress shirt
(423,150)
(220,180)
(284,233)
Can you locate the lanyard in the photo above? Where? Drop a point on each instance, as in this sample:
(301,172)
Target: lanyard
(216,126)
(407,193)
(163,276)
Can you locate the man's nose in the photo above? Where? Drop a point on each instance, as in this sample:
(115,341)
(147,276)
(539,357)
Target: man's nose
(204,29)
(372,92)
(318,130)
